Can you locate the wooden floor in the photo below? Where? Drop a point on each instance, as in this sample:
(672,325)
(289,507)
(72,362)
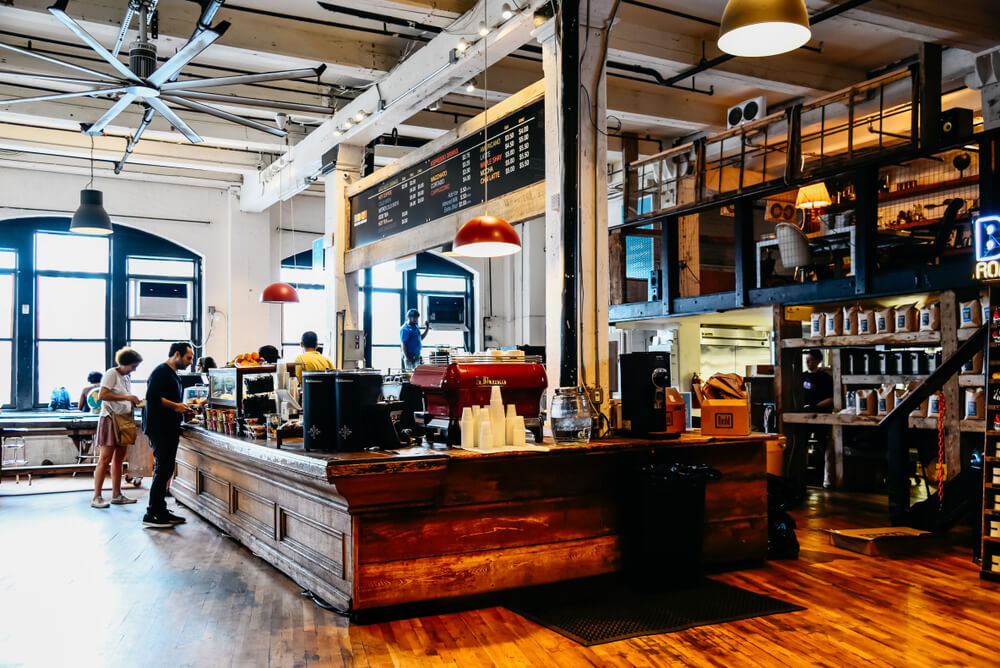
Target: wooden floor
(91,587)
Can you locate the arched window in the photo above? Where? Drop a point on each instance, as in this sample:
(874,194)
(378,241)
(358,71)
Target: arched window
(310,313)
(68,301)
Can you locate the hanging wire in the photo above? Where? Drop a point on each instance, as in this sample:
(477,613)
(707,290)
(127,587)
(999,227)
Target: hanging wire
(91,182)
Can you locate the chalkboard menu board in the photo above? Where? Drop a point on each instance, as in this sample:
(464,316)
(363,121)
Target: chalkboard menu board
(455,178)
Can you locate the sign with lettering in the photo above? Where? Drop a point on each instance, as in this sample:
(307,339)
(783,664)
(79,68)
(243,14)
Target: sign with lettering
(455,178)
(986,232)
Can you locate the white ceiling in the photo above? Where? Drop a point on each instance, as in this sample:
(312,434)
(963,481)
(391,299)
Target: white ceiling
(267,35)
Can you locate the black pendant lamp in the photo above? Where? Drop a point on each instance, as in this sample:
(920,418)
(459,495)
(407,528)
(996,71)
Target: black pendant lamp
(90,217)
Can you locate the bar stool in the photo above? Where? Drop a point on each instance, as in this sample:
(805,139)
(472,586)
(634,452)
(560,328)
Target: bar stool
(14,453)
(87,453)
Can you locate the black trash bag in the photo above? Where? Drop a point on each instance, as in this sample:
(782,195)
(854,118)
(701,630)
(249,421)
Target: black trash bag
(662,525)
(782,543)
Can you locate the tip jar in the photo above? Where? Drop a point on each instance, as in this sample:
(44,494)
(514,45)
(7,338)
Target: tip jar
(570,417)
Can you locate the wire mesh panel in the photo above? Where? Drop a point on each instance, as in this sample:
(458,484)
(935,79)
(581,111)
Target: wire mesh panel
(859,121)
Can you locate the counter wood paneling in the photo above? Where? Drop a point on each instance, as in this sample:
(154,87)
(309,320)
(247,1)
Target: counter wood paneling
(375,529)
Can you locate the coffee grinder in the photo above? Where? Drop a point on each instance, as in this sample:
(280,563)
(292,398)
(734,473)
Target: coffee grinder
(644,378)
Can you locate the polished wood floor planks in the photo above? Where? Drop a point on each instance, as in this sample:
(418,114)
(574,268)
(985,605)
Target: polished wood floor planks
(80,586)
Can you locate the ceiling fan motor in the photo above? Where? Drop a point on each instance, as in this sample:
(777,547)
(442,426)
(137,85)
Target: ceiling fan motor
(142,58)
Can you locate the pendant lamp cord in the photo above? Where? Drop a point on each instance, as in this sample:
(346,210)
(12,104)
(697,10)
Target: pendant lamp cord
(486,120)
(91,182)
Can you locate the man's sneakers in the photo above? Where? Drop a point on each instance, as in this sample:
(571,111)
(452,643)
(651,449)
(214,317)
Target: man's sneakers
(165,520)
(99,502)
(121,500)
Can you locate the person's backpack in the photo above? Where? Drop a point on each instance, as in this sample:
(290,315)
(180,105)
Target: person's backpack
(59,399)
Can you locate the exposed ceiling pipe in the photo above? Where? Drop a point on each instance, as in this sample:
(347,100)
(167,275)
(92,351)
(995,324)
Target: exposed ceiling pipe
(714,62)
(381,18)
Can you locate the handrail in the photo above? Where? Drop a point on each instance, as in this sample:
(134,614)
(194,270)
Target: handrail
(896,422)
(936,380)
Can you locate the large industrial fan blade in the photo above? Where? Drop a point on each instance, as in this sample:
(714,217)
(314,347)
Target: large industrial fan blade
(198,106)
(242,79)
(58,10)
(189,52)
(61,96)
(110,115)
(174,119)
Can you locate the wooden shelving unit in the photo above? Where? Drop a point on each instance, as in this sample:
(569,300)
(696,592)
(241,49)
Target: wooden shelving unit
(991,451)
(790,345)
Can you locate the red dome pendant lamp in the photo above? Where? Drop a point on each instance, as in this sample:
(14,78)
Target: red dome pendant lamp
(279,293)
(486,236)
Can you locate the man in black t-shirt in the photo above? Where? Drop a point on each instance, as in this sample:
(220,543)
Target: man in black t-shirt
(817,386)
(817,396)
(162,423)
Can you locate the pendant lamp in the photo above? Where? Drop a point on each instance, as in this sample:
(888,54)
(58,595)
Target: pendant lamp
(281,293)
(90,217)
(758,28)
(486,236)
(812,196)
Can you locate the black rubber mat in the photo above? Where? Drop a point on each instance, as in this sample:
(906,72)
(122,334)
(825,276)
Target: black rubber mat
(600,610)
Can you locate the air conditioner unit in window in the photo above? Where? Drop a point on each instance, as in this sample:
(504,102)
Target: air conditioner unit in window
(160,300)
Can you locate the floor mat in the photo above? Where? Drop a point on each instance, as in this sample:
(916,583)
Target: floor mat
(600,610)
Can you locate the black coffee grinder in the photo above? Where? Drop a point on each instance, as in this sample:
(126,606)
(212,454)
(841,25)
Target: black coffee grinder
(343,412)
(644,377)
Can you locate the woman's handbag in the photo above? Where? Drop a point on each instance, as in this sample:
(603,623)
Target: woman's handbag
(124,428)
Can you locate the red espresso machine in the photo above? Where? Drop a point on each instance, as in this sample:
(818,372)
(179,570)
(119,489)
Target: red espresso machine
(461,381)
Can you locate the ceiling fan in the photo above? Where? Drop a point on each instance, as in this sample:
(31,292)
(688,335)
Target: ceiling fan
(142,82)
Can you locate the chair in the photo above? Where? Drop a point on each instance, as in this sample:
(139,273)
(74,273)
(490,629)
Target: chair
(14,453)
(794,249)
(88,453)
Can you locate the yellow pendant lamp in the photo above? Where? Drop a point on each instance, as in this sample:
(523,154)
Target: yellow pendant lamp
(757,28)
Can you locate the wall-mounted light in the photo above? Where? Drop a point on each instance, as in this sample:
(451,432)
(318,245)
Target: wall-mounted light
(435,106)
(506,12)
(462,45)
(484,29)
(360,116)
(347,124)
(470,87)
(337,133)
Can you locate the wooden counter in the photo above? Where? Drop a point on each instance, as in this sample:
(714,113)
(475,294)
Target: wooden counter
(375,529)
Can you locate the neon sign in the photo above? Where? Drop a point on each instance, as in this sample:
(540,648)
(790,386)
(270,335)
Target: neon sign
(986,232)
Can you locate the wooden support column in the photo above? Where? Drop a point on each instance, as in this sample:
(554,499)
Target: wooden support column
(668,263)
(952,392)
(743,239)
(617,265)
(930,94)
(341,288)
(865,229)
(577,293)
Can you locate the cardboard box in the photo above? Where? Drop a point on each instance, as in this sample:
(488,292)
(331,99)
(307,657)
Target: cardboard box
(725,417)
(893,542)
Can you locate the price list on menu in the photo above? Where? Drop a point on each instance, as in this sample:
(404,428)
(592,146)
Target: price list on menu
(511,155)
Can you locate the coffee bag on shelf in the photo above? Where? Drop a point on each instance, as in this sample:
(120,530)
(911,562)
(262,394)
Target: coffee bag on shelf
(885,320)
(866,402)
(974,365)
(833,323)
(906,318)
(975,404)
(866,322)
(851,320)
(886,399)
(816,322)
(970,314)
(930,317)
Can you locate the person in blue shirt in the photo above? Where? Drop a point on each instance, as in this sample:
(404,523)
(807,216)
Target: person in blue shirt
(410,338)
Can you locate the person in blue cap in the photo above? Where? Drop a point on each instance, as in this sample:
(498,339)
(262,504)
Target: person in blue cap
(410,338)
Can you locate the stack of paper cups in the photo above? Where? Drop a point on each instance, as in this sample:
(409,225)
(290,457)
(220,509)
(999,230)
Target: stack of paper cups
(468,427)
(477,420)
(496,417)
(486,436)
(509,424)
(517,430)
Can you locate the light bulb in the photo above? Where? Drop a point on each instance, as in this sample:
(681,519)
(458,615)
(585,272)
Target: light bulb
(360,116)
(484,29)
(347,125)
(337,133)
(470,87)
(434,106)
(462,45)
(506,12)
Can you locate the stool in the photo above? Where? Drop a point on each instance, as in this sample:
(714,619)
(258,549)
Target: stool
(14,454)
(86,454)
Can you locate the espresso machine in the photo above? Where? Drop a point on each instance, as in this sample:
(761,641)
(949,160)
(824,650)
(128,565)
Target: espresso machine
(644,377)
(461,381)
(344,412)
